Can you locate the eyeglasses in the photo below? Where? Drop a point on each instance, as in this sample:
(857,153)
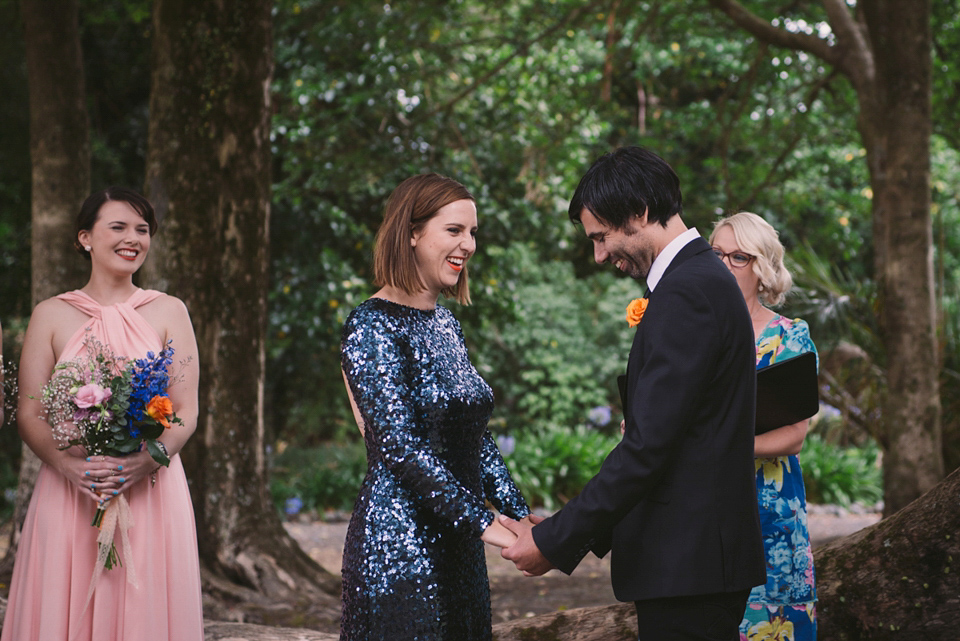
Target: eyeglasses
(737,258)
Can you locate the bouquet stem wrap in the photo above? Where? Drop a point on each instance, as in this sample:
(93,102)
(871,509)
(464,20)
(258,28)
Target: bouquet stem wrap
(117,514)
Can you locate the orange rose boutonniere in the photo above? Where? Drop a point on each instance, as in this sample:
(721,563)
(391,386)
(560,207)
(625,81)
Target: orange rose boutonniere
(635,311)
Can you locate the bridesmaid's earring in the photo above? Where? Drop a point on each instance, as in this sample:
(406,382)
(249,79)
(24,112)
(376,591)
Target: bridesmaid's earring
(87,248)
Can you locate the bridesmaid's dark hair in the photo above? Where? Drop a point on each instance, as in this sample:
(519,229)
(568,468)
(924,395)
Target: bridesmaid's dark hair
(414,202)
(90,211)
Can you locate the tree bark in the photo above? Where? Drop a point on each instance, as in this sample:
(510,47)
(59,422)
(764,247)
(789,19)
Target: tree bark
(59,144)
(217,631)
(884,48)
(60,168)
(604,623)
(898,579)
(903,233)
(208,174)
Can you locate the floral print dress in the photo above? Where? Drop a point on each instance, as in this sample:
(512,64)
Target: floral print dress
(783,609)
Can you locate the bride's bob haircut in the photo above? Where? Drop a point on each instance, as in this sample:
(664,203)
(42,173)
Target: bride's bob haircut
(414,202)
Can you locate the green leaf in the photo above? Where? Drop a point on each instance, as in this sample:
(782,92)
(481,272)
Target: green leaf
(157,453)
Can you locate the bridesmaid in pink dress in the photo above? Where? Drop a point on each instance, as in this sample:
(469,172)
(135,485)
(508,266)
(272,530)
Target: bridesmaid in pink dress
(57,550)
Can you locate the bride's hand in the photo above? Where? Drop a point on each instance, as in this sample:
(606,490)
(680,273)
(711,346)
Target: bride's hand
(497,534)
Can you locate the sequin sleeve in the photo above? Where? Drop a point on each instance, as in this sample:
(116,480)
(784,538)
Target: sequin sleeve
(381,368)
(498,485)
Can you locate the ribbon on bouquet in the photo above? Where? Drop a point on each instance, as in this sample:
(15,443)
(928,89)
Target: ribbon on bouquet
(117,514)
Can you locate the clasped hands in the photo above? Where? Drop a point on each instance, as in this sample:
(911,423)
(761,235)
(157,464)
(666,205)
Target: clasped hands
(516,542)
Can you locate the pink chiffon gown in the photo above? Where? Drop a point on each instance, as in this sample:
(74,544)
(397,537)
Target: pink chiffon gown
(58,547)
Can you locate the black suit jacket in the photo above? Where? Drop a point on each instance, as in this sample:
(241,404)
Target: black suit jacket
(676,500)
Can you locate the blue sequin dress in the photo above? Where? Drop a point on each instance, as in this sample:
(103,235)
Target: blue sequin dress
(413,562)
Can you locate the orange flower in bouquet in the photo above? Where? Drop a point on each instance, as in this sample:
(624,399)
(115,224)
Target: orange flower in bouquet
(160,409)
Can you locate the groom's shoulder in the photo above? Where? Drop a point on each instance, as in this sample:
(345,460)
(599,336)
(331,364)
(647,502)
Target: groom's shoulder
(702,271)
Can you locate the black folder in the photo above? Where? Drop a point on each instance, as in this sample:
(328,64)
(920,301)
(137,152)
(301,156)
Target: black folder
(787,392)
(622,386)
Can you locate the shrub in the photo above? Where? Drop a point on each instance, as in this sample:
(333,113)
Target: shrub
(321,478)
(551,464)
(837,475)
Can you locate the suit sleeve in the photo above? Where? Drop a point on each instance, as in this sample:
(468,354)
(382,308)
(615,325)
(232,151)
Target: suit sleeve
(679,340)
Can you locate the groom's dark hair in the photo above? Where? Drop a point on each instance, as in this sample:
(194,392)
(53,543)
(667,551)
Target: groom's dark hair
(625,183)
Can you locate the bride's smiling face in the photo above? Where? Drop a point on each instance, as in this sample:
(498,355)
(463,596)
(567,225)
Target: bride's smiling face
(119,239)
(444,245)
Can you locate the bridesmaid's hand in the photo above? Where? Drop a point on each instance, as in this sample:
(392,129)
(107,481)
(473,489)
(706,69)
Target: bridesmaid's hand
(105,477)
(126,471)
(497,534)
(83,472)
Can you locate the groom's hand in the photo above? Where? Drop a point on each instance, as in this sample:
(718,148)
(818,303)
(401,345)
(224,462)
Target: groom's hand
(524,553)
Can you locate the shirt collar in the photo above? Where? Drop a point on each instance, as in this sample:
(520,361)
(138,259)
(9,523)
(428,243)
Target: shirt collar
(663,260)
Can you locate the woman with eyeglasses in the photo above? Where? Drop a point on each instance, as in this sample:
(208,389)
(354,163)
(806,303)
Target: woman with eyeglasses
(785,607)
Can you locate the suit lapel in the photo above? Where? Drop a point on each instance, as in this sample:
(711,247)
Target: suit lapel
(694,247)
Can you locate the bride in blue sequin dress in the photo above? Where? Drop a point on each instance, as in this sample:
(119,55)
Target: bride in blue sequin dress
(413,565)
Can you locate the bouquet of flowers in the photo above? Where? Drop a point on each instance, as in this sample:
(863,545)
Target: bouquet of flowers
(111,406)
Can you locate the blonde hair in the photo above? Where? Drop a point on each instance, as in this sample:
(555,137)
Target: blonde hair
(411,205)
(757,237)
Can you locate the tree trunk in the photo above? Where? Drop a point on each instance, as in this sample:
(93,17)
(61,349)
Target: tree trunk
(60,165)
(217,631)
(884,48)
(899,158)
(897,580)
(208,174)
(604,623)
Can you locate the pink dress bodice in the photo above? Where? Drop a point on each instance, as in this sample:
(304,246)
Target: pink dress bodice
(120,326)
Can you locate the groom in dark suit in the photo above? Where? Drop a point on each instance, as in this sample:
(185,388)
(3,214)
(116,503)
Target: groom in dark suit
(675,501)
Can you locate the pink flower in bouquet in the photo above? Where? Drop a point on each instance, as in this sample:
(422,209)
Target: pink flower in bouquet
(91,395)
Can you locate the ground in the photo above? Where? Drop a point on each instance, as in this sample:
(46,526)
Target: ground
(514,596)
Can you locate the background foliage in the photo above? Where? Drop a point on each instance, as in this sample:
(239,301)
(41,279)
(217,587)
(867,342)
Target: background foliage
(515,100)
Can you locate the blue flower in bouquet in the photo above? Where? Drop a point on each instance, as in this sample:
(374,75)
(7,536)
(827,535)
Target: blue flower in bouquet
(149,379)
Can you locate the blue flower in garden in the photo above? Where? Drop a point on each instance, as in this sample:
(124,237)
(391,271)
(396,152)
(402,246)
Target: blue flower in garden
(293,505)
(600,416)
(507,444)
